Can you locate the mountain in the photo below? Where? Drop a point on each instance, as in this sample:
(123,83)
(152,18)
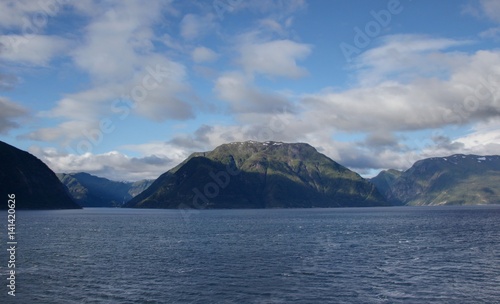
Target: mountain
(93,191)
(35,186)
(259,175)
(453,180)
(384,181)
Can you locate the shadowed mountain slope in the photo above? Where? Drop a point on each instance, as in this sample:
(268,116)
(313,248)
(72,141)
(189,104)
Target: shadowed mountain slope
(33,183)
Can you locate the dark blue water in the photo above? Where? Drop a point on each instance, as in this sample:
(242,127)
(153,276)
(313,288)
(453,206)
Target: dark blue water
(367,255)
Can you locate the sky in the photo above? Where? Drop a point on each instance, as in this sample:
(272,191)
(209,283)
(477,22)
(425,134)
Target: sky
(128,89)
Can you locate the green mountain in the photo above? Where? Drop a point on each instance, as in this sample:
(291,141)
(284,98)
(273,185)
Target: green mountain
(259,175)
(453,180)
(35,186)
(93,191)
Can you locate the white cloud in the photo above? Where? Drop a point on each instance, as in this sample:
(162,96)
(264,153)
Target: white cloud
(20,13)
(491,33)
(32,49)
(26,21)
(406,57)
(118,53)
(281,7)
(160,149)
(155,93)
(272,25)
(91,7)
(112,165)
(171,43)
(243,97)
(169,99)
(460,89)
(117,40)
(274,58)
(491,8)
(85,105)
(66,132)
(203,54)
(194,26)
(484,140)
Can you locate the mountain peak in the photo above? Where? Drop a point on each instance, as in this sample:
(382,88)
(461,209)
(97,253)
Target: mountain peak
(263,145)
(268,175)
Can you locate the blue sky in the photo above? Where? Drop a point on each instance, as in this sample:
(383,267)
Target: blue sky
(127,90)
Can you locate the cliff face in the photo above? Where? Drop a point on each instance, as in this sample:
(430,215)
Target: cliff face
(259,175)
(33,183)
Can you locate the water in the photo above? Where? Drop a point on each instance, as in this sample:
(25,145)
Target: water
(365,255)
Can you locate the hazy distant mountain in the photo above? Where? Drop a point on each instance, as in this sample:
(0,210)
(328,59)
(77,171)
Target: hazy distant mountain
(259,175)
(385,179)
(93,191)
(453,180)
(33,183)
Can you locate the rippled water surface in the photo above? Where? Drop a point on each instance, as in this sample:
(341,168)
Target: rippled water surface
(362,255)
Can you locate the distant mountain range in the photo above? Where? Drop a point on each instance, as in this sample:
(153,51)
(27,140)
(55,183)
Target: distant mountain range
(259,175)
(93,191)
(34,185)
(453,180)
(255,175)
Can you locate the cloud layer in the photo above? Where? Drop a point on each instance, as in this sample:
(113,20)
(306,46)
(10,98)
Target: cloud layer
(198,77)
